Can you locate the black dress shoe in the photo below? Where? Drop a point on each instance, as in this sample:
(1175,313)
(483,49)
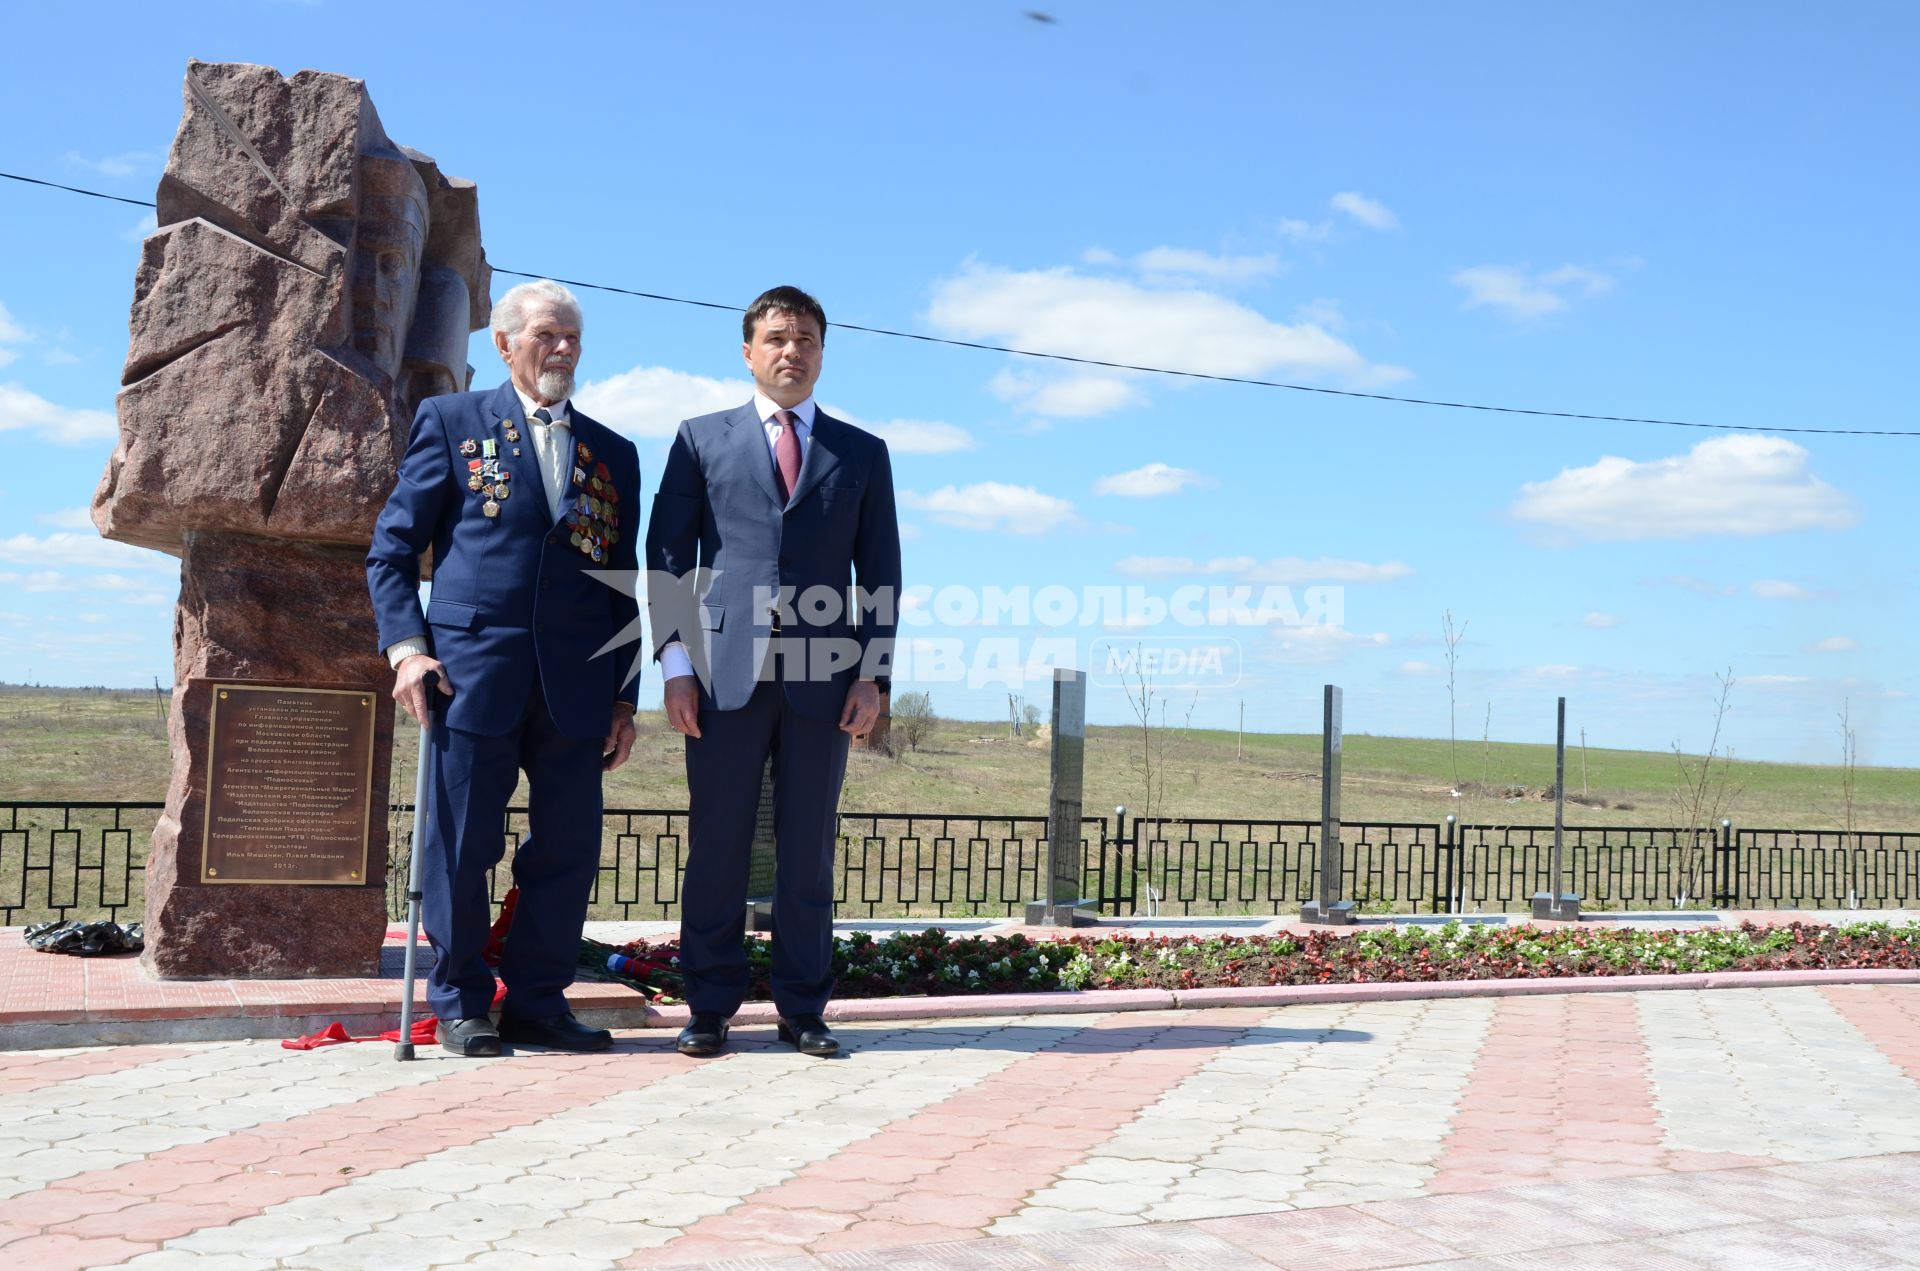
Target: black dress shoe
(809,1035)
(474,1038)
(562,1032)
(705,1034)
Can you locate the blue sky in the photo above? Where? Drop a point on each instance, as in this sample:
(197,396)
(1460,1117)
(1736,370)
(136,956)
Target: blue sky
(1699,212)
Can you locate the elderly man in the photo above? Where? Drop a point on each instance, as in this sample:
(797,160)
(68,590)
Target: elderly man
(765,518)
(520,499)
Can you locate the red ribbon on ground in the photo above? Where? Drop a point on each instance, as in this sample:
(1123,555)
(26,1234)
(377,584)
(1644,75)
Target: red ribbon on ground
(424,1029)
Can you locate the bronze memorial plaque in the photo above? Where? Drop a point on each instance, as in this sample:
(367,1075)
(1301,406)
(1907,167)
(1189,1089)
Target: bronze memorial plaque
(289,785)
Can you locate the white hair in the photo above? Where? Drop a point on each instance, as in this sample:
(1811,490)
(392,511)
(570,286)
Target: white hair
(510,311)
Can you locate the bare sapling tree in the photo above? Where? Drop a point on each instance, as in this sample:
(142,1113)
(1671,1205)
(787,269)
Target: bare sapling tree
(1849,787)
(913,718)
(1150,761)
(1704,790)
(1452,636)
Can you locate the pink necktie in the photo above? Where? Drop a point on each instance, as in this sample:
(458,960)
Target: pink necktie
(786,452)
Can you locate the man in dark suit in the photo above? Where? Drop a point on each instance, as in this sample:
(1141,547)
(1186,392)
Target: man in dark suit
(766,518)
(521,501)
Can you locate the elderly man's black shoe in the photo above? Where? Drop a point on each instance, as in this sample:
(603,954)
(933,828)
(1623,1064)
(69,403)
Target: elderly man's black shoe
(809,1035)
(474,1038)
(562,1032)
(704,1035)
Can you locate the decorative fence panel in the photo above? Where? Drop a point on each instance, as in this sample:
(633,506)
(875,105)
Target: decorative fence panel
(85,860)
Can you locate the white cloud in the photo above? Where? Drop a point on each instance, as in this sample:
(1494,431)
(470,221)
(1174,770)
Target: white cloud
(650,401)
(1076,396)
(1556,670)
(1318,645)
(1686,582)
(1833,644)
(1110,319)
(61,424)
(1742,485)
(1369,212)
(113,165)
(1523,293)
(1287,570)
(1322,312)
(911,436)
(11,332)
(138,231)
(1296,231)
(66,550)
(1153,479)
(67,519)
(1774,681)
(992,505)
(1600,621)
(46,580)
(1413,666)
(1775,589)
(1186,263)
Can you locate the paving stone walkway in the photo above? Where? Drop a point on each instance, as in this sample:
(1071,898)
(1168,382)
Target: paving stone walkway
(1738,1128)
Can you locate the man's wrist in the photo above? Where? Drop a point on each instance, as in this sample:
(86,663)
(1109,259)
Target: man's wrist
(400,650)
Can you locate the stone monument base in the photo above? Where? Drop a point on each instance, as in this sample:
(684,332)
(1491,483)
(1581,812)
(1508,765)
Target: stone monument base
(246,605)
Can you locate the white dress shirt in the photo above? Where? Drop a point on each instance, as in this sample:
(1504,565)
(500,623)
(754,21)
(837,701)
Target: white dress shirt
(553,447)
(674,661)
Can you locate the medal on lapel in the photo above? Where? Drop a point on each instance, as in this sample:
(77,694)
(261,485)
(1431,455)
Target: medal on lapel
(513,433)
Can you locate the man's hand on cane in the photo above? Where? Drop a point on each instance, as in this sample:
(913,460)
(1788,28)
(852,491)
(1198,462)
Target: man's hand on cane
(408,684)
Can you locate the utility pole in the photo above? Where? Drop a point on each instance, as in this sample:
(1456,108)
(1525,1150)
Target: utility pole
(1583,763)
(1240,739)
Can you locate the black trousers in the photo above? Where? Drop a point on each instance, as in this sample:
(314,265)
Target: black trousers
(724,767)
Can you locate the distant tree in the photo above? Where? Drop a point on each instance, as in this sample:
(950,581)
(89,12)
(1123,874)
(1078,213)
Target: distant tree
(1031,715)
(913,718)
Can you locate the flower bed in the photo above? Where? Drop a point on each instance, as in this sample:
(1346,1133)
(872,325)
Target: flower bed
(933,963)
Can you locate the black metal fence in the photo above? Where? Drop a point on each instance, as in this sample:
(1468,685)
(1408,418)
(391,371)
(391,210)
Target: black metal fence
(60,860)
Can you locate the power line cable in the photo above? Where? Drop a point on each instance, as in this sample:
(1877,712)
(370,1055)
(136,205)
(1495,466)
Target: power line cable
(1141,369)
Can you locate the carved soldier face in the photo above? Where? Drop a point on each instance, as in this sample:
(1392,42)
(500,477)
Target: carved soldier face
(388,244)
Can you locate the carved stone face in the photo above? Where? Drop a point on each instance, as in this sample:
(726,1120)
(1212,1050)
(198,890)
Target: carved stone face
(436,357)
(388,245)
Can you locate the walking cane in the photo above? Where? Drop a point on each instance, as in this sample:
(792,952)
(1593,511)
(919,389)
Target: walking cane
(403,1049)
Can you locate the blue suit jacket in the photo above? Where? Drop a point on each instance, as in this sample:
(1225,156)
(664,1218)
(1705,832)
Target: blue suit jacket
(513,597)
(719,526)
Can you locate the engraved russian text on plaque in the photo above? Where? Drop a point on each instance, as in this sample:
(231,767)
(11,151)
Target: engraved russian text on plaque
(289,786)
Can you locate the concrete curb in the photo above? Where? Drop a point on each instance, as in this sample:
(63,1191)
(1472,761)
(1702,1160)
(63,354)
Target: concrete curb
(870,1010)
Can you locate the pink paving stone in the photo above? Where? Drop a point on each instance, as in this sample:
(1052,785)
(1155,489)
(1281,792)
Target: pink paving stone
(996,1168)
(176,1194)
(40,1071)
(835,1195)
(1890,1021)
(772,1225)
(704,1252)
(888,1235)
(156,1221)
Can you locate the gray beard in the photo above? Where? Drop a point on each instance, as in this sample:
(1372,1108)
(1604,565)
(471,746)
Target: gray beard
(555,385)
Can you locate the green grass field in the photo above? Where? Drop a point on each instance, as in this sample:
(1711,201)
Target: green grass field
(95,744)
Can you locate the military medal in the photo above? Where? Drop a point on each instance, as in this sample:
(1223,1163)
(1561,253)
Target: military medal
(491,508)
(468,446)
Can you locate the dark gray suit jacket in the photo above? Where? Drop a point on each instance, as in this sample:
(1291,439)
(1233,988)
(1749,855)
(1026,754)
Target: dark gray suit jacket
(723,552)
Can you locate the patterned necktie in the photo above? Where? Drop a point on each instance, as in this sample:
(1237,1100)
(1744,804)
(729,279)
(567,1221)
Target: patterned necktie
(786,452)
(553,460)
